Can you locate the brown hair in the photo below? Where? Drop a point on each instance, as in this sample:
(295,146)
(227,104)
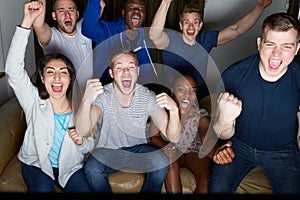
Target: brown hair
(190,8)
(120,52)
(54,4)
(281,22)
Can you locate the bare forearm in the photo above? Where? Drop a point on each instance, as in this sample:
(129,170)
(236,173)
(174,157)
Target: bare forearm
(224,129)
(85,119)
(43,32)
(174,127)
(156,32)
(247,22)
(240,27)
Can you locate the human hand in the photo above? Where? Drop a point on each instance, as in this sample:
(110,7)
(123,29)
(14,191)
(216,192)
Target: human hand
(264,3)
(102,4)
(224,154)
(93,88)
(165,101)
(32,10)
(74,136)
(170,150)
(228,107)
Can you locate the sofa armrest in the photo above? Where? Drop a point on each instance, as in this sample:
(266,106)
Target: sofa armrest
(12,129)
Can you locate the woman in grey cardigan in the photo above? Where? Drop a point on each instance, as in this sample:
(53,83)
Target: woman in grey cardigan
(52,152)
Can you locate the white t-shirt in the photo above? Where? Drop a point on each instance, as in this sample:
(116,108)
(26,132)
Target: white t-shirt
(77,48)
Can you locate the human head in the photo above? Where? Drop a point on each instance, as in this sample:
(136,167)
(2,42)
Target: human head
(124,69)
(65,13)
(190,22)
(278,45)
(40,74)
(134,12)
(185,90)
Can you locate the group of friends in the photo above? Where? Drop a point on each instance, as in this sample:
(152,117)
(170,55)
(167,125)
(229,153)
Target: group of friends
(121,124)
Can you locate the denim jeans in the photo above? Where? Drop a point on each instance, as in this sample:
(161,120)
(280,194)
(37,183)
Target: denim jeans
(39,182)
(141,158)
(281,166)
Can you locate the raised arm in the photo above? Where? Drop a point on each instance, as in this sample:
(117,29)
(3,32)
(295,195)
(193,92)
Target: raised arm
(32,11)
(156,32)
(41,28)
(91,16)
(228,109)
(87,116)
(169,125)
(244,24)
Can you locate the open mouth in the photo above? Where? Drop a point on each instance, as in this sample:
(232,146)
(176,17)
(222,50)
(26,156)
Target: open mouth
(68,23)
(190,33)
(126,83)
(274,64)
(57,87)
(135,20)
(184,103)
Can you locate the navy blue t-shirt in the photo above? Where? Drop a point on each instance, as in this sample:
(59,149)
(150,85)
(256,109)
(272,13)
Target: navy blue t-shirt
(189,59)
(269,109)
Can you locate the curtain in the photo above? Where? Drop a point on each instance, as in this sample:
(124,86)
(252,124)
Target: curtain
(113,11)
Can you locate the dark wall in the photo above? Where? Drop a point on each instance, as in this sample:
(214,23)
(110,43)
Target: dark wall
(113,11)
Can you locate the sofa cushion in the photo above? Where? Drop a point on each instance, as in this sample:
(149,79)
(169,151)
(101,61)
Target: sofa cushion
(11,179)
(126,182)
(12,128)
(255,182)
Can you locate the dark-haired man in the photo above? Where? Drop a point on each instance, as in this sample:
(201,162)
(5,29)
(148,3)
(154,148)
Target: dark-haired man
(66,38)
(258,111)
(124,32)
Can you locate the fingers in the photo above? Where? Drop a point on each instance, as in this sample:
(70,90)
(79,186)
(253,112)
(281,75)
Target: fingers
(33,5)
(75,137)
(93,88)
(170,150)
(224,154)
(164,101)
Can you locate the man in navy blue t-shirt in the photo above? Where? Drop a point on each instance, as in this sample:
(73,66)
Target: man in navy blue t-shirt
(258,111)
(187,51)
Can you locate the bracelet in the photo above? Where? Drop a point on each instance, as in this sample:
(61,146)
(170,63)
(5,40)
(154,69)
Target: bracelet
(25,27)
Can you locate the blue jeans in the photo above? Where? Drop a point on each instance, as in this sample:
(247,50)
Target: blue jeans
(142,158)
(39,182)
(281,166)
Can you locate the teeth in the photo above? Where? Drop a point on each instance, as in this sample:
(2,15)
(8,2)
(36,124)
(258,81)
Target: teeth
(186,101)
(57,85)
(275,63)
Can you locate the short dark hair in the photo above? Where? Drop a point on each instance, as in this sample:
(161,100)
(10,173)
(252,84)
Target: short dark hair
(190,8)
(281,22)
(36,80)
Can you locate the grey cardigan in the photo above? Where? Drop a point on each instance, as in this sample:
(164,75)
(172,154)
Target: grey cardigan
(39,134)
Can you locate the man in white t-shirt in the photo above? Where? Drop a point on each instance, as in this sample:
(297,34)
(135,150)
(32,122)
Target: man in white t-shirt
(120,111)
(66,38)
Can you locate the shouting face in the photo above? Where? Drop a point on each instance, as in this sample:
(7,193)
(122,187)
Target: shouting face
(134,13)
(66,15)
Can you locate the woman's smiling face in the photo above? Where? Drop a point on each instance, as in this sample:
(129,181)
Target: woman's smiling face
(185,92)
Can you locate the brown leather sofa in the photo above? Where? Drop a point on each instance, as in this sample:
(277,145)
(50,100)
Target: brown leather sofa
(13,125)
